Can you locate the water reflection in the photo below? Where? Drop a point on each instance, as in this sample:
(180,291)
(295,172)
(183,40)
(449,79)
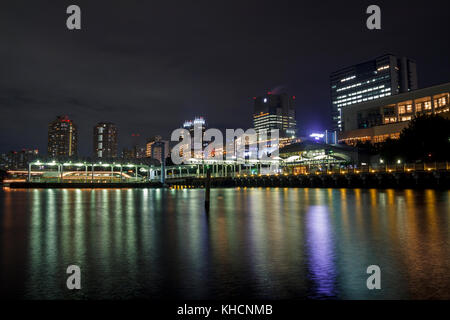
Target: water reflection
(320,244)
(255,243)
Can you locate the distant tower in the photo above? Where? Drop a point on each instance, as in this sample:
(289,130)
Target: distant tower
(199,123)
(105,140)
(62,138)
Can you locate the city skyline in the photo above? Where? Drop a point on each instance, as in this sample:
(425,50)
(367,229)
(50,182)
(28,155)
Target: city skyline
(223,159)
(166,74)
(142,146)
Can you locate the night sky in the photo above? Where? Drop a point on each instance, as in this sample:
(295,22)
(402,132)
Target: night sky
(149,65)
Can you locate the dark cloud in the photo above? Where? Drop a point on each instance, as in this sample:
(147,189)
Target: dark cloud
(149,65)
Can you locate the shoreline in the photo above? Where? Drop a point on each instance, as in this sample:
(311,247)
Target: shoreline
(394,180)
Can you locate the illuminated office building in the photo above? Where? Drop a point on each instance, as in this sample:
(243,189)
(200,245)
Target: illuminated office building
(381,77)
(275,111)
(105,140)
(377,120)
(62,138)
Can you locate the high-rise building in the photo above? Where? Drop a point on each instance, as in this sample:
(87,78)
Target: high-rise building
(198,122)
(62,138)
(154,148)
(20,159)
(275,111)
(105,140)
(197,143)
(383,76)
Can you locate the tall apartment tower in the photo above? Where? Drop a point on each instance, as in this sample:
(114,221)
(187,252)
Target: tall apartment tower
(383,76)
(105,140)
(275,111)
(62,138)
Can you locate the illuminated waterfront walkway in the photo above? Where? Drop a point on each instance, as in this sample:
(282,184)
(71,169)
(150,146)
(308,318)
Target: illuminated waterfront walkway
(230,173)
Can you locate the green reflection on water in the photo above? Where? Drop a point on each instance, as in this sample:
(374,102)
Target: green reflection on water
(256,242)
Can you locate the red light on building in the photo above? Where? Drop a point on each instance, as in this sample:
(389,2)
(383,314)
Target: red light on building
(64,119)
(293,97)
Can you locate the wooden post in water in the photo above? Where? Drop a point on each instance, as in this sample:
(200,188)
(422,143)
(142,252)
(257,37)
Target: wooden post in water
(207,189)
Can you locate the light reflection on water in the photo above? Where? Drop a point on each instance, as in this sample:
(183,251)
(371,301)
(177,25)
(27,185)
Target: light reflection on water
(321,255)
(255,243)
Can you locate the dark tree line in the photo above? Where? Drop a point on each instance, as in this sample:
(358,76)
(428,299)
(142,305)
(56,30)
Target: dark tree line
(426,139)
